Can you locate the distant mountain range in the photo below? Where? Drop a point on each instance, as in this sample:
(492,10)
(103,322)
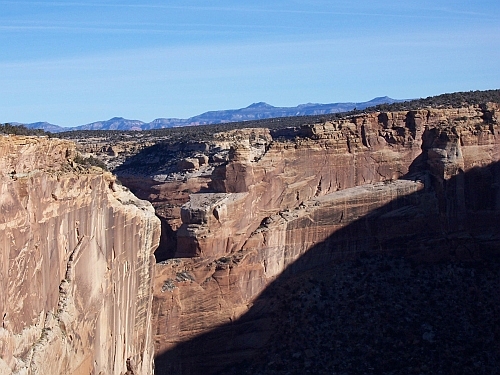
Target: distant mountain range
(256,111)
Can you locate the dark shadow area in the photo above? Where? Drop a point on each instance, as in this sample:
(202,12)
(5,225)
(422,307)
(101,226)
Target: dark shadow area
(410,288)
(145,187)
(168,242)
(162,157)
(138,171)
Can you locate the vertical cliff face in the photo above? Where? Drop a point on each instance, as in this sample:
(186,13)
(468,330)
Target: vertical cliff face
(265,176)
(332,187)
(76,265)
(280,174)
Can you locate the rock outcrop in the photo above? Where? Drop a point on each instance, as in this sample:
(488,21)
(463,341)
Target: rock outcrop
(335,187)
(249,208)
(246,215)
(76,265)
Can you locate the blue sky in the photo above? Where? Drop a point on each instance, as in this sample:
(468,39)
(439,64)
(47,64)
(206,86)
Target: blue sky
(74,62)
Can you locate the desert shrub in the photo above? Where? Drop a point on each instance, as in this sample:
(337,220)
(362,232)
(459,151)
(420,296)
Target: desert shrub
(90,161)
(21,130)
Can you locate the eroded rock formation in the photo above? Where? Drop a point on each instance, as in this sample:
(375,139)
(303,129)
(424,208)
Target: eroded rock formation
(76,265)
(334,187)
(243,215)
(250,208)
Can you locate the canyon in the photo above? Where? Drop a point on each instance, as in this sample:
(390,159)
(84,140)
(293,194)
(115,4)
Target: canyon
(253,207)
(249,217)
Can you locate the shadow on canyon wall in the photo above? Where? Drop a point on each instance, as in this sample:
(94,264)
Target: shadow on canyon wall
(137,172)
(410,288)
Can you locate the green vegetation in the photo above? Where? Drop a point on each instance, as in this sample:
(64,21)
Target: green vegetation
(90,161)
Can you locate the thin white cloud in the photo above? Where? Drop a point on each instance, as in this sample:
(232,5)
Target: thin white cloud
(185,30)
(125,5)
(143,28)
(429,13)
(68,84)
(266,51)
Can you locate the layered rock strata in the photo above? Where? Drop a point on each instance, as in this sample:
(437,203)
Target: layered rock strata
(243,209)
(76,265)
(271,176)
(332,187)
(203,293)
(283,167)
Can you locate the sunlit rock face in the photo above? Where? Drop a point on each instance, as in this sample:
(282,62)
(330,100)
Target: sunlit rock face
(335,187)
(272,175)
(196,294)
(76,265)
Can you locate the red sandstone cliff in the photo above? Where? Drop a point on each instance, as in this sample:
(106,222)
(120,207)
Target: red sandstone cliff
(76,251)
(76,265)
(277,197)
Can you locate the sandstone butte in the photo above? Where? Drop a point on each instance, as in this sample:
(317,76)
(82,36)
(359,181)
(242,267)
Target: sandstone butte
(238,213)
(76,265)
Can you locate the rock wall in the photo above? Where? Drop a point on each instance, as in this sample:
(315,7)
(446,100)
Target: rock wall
(238,213)
(277,174)
(194,295)
(76,265)
(334,187)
